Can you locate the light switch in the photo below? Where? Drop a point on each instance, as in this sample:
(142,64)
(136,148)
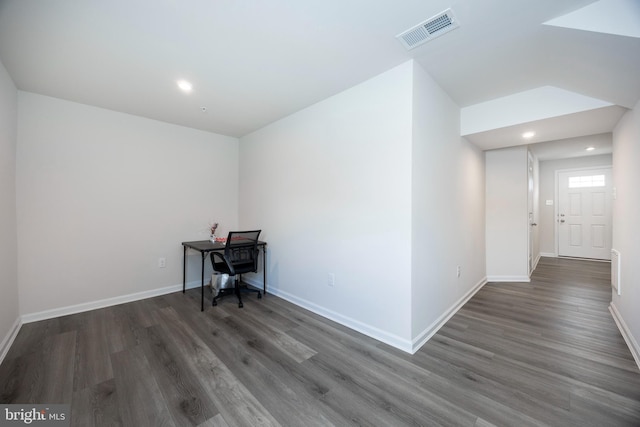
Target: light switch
(549,202)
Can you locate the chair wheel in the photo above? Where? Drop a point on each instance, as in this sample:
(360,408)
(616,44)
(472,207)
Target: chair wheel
(240,305)
(259,295)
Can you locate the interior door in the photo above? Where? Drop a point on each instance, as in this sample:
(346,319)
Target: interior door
(584,213)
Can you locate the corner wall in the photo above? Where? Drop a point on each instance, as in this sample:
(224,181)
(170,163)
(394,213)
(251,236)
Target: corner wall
(376,186)
(102,195)
(330,186)
(507,224)
(9,302)
(626,206)
(448,211)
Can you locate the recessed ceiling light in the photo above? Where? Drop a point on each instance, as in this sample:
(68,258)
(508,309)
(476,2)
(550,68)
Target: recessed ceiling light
(528,135)
(185,85)
(590,148)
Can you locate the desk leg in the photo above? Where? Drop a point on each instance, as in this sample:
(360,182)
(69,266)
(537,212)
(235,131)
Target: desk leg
(184,269)
(204,255)
(264,270)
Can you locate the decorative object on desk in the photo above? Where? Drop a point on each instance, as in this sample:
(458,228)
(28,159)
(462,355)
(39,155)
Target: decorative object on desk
(212,229)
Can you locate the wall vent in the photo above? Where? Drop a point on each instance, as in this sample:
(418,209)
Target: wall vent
(428,30)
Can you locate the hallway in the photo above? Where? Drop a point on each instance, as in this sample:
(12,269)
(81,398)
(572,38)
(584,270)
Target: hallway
(549,349)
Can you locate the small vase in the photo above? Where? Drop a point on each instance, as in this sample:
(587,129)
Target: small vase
(213,238)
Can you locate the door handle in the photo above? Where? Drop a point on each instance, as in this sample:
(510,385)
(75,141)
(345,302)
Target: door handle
(562,220)
(533,224)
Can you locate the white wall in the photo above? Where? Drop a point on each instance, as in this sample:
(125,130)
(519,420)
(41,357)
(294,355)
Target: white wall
(448,211)
(507,221)
(547,220)
(626,229)
(8,237)
(101,195)
(331,188)
(374,185)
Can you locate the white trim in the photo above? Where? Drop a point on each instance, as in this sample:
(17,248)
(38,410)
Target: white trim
(584,259)
(371,331)
(535,263)
(107,302)
(8,340)
(431,330)
(549,254)
(378,334)
(531,202)
(626,333)
(616,271)
(508,279)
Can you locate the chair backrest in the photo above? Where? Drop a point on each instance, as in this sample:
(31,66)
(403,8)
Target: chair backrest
(241,250)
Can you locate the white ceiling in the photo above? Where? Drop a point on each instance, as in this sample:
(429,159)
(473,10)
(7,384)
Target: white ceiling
(592,122)
(552,150)
(252,62)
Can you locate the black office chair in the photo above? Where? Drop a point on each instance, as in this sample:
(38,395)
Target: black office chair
(240,256)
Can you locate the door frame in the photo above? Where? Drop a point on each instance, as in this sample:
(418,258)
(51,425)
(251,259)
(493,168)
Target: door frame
(531,220)
(556,198)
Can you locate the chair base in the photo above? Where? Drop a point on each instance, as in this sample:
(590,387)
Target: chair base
(236,290)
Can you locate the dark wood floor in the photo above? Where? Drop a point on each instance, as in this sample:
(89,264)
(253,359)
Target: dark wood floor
(544,353)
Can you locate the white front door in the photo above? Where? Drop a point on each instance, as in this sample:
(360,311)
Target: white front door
(584,213)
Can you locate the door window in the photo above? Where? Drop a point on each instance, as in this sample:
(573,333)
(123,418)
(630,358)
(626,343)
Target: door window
(586,181)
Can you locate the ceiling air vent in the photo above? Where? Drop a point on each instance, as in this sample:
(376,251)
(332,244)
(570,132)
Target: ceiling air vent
(428,30)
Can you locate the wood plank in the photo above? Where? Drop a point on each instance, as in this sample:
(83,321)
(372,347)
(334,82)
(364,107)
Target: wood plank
(215,421)
(93,358)
(544,353)
(140,398)
(96,406)
(283,341)
(187,400)
(234,401)
(43,374)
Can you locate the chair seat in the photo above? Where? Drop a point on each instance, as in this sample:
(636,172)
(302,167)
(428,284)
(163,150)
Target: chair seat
(240,268)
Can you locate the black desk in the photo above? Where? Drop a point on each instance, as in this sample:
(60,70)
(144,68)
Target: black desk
(205,247)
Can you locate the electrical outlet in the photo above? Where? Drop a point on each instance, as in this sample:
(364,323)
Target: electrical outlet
(332,280)
(162,262)
(458,269)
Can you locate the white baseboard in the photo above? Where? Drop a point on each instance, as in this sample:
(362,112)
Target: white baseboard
(373,332)
(626,333)
(508,279)
(107,302)
(8,340)
(378,334)
(549,254)
(431,330)
(535,263)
